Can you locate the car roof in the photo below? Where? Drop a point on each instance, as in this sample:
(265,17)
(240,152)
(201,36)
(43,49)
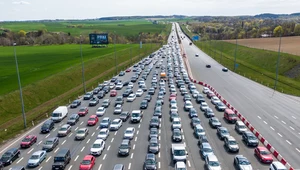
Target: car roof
(105,100)
(118,167)
(278,165)
(130,128)
(93,116)
(82,129)
(65,126)
(212,158)
(222,128)
(150,156)
(88,157)
(105,118)
(230,138)
(103,130)
(206,145)
(180,164)
(51,139)
(154,140)
(116,120)
(11,150)
(38,152)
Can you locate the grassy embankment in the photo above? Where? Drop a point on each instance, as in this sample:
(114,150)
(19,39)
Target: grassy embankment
(256,64)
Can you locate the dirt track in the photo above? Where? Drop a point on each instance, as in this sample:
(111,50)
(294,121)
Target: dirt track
(289,45)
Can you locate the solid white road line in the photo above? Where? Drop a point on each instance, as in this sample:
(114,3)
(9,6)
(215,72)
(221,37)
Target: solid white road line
(112,140)
(288,142)
(104,157)
(100,167)
(116,132)
(88,141)
(108,147)
(63,142)
(129,165)
(279,134)
(159,131)
(76,158)
(259,117)
(48,158)
(70,167)
(265,122)
(133,147)
(93,133)
(158,137)
(272,128)
(183,137)
(82,149)
(131,156)
(56,150)
(20,160)
(70,134)
(30,151)
(283,122)
(292,128)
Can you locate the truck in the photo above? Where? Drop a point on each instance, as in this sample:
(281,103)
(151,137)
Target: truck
(179,153)
(59,114)
(163,76)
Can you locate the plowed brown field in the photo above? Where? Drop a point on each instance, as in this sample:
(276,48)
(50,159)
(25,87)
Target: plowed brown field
(289,45)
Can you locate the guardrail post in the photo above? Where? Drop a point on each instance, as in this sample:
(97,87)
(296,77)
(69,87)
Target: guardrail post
(46,114)
(32,122)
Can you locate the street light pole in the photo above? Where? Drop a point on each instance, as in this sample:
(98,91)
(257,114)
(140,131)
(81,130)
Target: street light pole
(277,65)
(236,45)
(20,86)
(115,53)
(82,65)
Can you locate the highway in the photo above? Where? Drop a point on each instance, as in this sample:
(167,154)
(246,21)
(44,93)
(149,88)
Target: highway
(273,114)
(135,160)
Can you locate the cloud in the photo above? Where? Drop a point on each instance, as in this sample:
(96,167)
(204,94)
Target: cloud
(21,3)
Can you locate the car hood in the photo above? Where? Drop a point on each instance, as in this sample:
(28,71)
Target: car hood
(91,121)
(62,132)
(102,136)
(267,157)
(114,125)
(215,168)
(153,147)
(4,159)
(128,135)
(147,166)
(95,149)
(84,167)
(33,161)
(246,167)
(71,120)
(80,135)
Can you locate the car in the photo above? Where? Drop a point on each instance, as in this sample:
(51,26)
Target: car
(103,134)
(231,144)
(94,101)
(200,98)
(215,100)
(105,122)
(88,96)
(136,116)
(148,97)
(150,162)
(214,122)
(176,135)
(151,91)
(131,98)
(16,168)
(263,154)
(174,115)
(154,122)
(10,156)
(195,121)
(212,163)
(153,133)
(202,139)
(176,124)
(122,73)
(75,104)
(96,90)
(112,85)
(105,103)
(209,113)
(240,127)
(205,90)
(276,165)
(47,126)
(83,111)
(144,104)
(124,116)
(129,133)
(100,111)
(115,124)
(130,84)
(93,120)
(81,133)
(220,106)
(106,89)
(205,150)
(224,69)
(118,109)
(36,159)
(199,131)
(28,141)
(128,70)
(87,163)
(64,130)
(203,106)
(139,92)
(193,113)
(210,94)
(208,66)
(119,86)
(101,94)
(222,132)
(124,148)
(97,147)
(119,167)
(173,102)
(119,100)
(73,119)
(174,109)
(50,144)
(172,97)
(180,165)
(250,139)
(195,93)
(197,55)
(241,162)
(187,97)
(188,105)
(113,93)
(153,146)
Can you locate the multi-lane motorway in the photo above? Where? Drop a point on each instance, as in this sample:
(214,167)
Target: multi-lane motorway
(273,114)
(135,160)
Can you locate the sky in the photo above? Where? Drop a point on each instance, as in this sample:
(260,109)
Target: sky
(20,10)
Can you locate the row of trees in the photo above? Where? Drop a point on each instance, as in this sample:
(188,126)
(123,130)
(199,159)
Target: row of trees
(43,37)
(224,28)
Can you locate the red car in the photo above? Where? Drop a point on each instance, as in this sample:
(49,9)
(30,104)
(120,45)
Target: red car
(263,154)
(93,120)
(172,97)
(87,163)
(28,141)
(113,93)
(128,70)
(83,111)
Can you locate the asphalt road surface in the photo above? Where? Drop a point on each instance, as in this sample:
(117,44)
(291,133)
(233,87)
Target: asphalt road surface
(273,114)
(135,160)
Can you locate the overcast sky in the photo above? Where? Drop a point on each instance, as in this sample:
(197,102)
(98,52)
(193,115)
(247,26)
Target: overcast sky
(81,9)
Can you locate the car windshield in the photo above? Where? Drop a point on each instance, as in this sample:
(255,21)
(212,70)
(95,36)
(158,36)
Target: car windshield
(72,118)
(104,121)
(265,152)
(128,132)
(135,115)
(80,132)
(150,162)
(232,142)
(179,152)
(242,127)
(176,133)
(251,138)
(154,120)
(105,102)
(34,157)
(213,163)
(153,144)
(153,132)
(26,140)
(215,120)
(63,129)
(224,131)
(102,133)
(6,155)
(92,119)
(123,114)
(207,150)
(232,115)
(48,142)
(123,147)
(115,122)
(100,109)
(96,146)
(176,122)
(75,102)
(55,114)
(82,110)
(86,162)
(244,162)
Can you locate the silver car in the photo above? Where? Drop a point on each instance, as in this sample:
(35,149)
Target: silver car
(36,158)
(64,130)
(50,144)
(153,146)
(81,133)
(103,134)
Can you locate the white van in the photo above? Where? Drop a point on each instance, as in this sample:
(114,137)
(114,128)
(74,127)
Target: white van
(59,114)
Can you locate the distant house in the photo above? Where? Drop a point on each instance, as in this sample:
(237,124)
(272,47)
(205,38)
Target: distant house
(265,35)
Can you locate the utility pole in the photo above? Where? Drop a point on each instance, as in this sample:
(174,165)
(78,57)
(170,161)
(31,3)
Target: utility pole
(236,46)
(278,60)
(130,54)
(115,53)
(82,65)
(20,86)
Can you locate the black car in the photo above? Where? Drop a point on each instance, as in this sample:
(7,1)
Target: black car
(193,113)
(101,94)
(127,92)
(133,79)
(144,104)
(225,69)
(119,100)
(106,89)
(96,90)
(124,116)
(148,97)
(126,83)
(88,96)
(208,66)
(9,156)
(1,165)
(202,139)
(154,122)
(250,139)
(75,103)
(114,79)
(220,106)
(47,126)
(157,112)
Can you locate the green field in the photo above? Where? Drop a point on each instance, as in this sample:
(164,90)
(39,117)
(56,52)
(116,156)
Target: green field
(124,28)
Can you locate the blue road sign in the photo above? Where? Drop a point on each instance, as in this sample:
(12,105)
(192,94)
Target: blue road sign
(196,38)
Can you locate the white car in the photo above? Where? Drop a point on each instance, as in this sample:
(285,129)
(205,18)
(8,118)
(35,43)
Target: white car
(129,133)
(112,85)
(212,163)
(103,134)
(204,106)
(139,92)
(130,84)
(182,88)
(100,111)
(205,90)
(176,124)
(115,124)
(97,147)
(119,86)
(173,102)
(188,105)
(118,109)
(215,100)
(195,93)
(161,83)
(174,109)
(131,97)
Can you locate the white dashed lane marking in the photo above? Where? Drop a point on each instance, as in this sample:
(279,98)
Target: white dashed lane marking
(279,134)
(283,122)
(259,117)
(294,117)
(292,128)
(276,117)
(288,142)
(272,128)
(82,149)
(265,122)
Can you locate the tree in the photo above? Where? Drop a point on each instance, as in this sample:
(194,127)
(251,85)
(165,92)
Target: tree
(22,33)
(297,29)
(278,31)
